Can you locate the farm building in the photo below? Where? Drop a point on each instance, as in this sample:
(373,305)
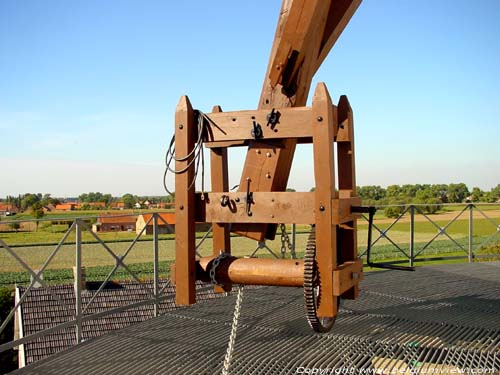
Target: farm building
(166,224)
(7,209)
(114,224)
(66,207)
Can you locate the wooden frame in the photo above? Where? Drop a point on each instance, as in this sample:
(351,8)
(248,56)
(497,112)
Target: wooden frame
(306,31)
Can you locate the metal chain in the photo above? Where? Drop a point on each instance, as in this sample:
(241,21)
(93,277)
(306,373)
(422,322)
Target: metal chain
(234,328)
(216,264)
(285,241)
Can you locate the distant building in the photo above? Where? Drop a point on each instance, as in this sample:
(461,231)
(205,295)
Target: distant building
(7,209)
(115,224)
(66,206)
(117,206)
(166,224)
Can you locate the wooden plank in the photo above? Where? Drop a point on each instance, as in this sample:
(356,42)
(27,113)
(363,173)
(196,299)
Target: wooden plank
(235,126)
(220,183)
(324,121)
(268,207)
(185,254)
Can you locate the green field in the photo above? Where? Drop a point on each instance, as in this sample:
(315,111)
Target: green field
(36,247)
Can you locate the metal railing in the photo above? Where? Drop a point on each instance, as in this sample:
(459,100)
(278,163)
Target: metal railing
(415,252)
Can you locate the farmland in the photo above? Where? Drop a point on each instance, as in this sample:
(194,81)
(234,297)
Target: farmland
(36,247)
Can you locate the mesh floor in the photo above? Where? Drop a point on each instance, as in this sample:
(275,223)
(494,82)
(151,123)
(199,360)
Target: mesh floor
(437,320)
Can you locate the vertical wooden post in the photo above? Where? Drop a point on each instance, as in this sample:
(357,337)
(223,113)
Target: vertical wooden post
(220,183)
(185,253)
(324,121)
(347,234)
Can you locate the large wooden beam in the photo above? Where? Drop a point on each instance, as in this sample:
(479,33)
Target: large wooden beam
(300,44)
(185,253)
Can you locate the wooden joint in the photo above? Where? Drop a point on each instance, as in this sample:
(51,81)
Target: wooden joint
(347,276)
(341,210)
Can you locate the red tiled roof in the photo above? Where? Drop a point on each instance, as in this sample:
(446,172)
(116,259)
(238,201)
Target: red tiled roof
(7,207)
(168,217)
(117,219)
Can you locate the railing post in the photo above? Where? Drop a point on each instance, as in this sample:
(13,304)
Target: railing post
(412,234)
(78,280)
(294,237)
(155,264)
(471,232)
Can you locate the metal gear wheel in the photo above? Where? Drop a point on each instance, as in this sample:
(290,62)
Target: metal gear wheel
(311,287)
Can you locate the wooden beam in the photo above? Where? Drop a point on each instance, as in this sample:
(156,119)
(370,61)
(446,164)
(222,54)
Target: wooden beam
(324,124)
(185,253)
(267,207)
(238,126)
(347,237)
(302,25)
(339,15)
(220,183)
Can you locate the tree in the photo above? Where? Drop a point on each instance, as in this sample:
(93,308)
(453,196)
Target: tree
(37,212)
(372,192)
(457,193)
(476,194)
(14,225)
(393,191)
(29,200)
(495,193)
(129,200)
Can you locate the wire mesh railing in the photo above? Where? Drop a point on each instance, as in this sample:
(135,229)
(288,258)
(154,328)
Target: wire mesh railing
(461,233)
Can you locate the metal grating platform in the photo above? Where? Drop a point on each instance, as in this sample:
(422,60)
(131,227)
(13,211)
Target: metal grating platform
(438,320)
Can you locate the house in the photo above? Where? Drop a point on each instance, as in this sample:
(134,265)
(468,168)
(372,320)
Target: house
(66,206)
(7,209)
(113,223)
(166,224)
(117,206)
(40,310)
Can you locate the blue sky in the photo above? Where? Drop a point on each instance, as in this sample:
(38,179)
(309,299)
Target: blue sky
(88,89)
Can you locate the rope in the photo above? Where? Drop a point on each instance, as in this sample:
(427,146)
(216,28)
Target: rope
(196,156)
(234,328)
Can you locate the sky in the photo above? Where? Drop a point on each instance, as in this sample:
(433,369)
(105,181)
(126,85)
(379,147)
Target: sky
(88,89)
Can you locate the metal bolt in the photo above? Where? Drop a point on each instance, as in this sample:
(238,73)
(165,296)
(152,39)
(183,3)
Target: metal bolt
(236,199)
(319,118)
(272,216)
(268,175)
(268,154)
(181,207)
(181,126)
(257,151)
(321,208)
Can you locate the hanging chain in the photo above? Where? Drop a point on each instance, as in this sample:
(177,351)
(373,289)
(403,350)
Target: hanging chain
(234,328)
(285,241)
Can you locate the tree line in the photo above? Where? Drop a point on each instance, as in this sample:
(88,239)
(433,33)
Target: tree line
(430,197)
(36,202)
